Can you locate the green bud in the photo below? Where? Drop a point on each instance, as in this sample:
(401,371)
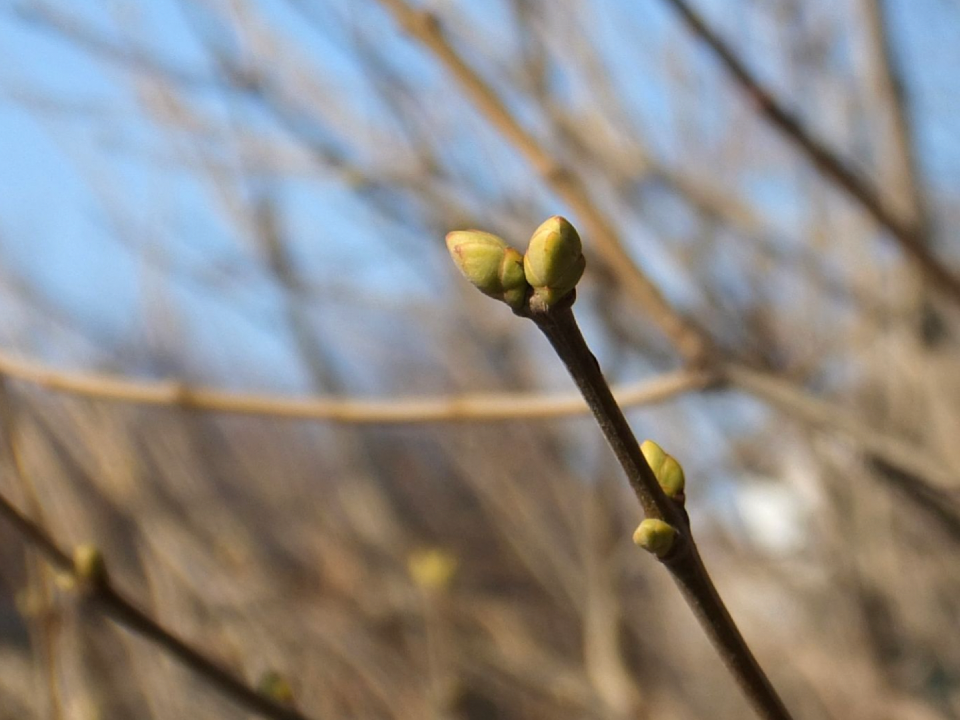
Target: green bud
(275,686)
(665,467)
(492,266)
(432,569)
(655,536)
(89,565)
(554,260)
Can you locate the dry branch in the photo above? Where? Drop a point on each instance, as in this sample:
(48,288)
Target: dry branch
(910,236)
(103,595)
(450,408)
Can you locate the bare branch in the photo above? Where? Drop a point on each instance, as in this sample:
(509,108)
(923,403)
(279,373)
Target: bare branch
(681,557)
(122,611)
(910,236)
(893,451)
(468,407)
(484,407)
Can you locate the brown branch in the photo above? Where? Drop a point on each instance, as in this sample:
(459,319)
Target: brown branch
(890,89)
(487,407)
(911,236)
(452,408)
(46,624)
(937,504)
(690,340)
(103,595)
(683,559)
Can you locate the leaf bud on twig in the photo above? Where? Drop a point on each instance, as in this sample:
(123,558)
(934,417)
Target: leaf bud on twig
(276,687)
(492,266)
(89,567)
(432,569)
(655,536)
(667,470)
(554,261)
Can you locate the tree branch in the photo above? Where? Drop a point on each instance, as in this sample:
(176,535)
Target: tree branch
(490,407)
(451,408)
(911,236)
(928,477)
(104,596)
(683,559)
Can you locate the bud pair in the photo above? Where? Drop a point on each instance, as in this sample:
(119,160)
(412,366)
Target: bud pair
(552,265)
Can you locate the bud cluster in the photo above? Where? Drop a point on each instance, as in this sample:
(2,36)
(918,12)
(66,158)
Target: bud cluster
(654,535)
(548,271)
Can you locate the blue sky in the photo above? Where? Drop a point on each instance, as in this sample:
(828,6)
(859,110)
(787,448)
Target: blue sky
(88,216)
(135,254)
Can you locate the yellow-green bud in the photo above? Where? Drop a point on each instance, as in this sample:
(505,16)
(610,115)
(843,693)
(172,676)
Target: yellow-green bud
(89,565)
(433,568)
(275,686)
(655,536)
(665,467)
(554,260)
(31,601)
(492,266)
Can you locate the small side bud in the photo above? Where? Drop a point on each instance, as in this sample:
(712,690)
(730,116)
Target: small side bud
(275,686)
(432,569)
(655,536)
(667,470)
(492,266)
(89,566)
(554,260)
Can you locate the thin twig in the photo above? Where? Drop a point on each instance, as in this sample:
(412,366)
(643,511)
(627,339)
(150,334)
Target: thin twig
(919,464)
(683,561)
(450,408)
(106,597)
(889,81)
(487,407)
(911,236)
(47,624)
(690,340)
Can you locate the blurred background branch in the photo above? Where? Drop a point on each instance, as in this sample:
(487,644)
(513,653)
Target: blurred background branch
(98,589)
(911,232)
(251,198)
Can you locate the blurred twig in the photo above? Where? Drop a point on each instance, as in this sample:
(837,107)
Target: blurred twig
(484,407)
(916,467)
(907,186)
(46,624)
(911,235)
(492,406)
(122,611)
